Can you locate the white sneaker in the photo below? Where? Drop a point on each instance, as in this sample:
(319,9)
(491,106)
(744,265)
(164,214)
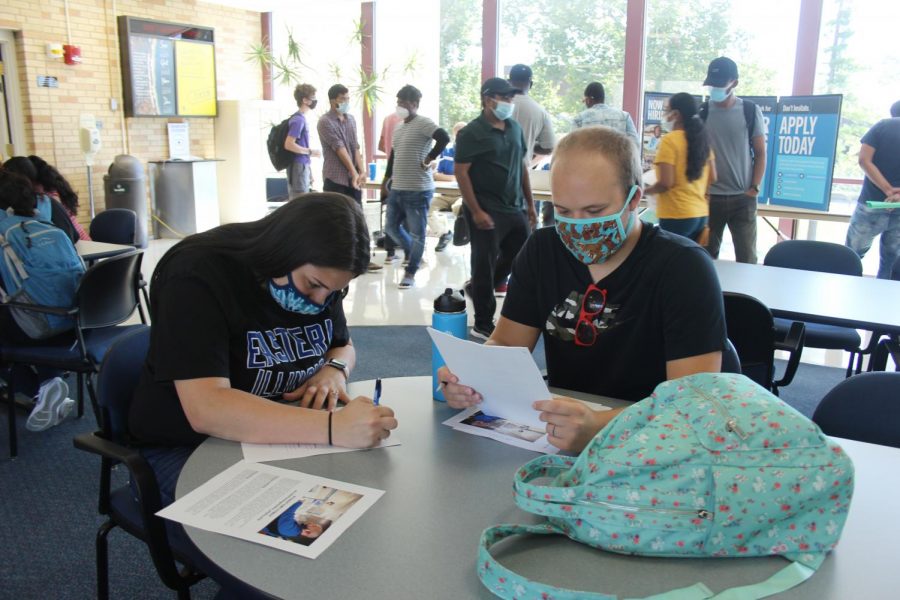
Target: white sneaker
(51,407)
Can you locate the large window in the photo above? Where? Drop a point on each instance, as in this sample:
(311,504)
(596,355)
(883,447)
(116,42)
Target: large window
(568,44)
(682,37)
(858,58)
(460,61)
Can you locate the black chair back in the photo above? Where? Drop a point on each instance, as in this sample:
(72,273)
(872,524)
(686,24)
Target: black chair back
(865,407)
(115,226)
(731,362)
(752,331)
(117,380)
(809,255)
(107,294)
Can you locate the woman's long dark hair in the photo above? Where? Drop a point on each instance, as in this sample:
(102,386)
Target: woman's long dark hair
(694,131)
(16,192)
(325,230)
(53,181)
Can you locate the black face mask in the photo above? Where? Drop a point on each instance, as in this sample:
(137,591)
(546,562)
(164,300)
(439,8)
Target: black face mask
(312,104)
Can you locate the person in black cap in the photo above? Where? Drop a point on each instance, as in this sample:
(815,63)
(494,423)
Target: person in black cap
(735,127)
(490,170)
(536,125)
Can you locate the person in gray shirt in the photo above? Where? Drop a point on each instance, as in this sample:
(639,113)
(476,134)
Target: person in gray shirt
(738,138)
(597,113)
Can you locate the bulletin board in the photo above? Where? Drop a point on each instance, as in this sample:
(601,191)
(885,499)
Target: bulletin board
(168,69)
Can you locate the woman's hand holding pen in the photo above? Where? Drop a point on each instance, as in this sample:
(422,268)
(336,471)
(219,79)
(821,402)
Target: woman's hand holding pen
(361,424)
(456,395)
(322,390)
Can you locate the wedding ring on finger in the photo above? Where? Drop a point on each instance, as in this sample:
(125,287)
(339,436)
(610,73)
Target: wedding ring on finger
(553,431)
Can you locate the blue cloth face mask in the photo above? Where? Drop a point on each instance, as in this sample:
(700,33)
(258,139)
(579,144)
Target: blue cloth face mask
(290,298)
(718,94)
(344,107)
(503,110)
(593,241)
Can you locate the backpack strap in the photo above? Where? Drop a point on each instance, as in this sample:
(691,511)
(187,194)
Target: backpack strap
(507,584)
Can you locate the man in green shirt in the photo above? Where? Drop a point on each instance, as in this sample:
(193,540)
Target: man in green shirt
(490,170)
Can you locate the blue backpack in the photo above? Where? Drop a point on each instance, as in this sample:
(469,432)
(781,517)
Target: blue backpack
(39,266)
(710,465)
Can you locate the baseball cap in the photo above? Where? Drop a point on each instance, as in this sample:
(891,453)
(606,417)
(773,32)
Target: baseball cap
(498,86)
(721,70)
(520,73)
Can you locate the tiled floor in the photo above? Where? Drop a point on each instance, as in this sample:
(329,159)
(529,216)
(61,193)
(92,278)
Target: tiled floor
(375,299)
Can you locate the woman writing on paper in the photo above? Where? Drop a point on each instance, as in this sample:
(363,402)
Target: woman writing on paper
(621,305)
(249,340)
(685,168)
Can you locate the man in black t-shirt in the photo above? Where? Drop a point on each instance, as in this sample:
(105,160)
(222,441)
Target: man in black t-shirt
(496,192)
(622,305)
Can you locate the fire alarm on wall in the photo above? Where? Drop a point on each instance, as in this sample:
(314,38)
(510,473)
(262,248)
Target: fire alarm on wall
(72,54)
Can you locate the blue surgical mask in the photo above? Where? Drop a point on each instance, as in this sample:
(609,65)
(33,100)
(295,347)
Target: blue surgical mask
(593,241)
(290,298)
(344,107)
(718,94)
(503,110)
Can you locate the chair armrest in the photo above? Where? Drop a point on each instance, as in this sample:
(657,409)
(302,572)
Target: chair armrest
(793,344)
(52,310)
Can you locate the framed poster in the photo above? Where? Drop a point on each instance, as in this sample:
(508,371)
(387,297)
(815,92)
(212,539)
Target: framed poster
(168,69)
(806,130)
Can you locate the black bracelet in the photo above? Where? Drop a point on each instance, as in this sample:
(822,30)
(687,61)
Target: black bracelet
(330,414)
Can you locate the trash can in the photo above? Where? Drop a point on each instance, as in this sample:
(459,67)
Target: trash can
(126,187)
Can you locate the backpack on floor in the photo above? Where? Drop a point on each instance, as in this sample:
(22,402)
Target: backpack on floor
(281,157)
(710,465)
(39,266)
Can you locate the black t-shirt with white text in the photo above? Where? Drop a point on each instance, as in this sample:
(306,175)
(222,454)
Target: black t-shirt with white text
(663,303)
(212,317)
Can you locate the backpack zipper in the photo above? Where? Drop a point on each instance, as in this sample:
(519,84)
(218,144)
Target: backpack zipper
(731,423)
(682,512)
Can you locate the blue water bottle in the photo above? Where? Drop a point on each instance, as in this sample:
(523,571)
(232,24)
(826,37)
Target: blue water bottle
(372,171)
(449,317)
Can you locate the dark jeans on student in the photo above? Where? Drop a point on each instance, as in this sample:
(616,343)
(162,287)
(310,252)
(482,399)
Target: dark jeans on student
(28,379)
(330,186)
(493,251)
(689,228)
(410,207)
(738,211)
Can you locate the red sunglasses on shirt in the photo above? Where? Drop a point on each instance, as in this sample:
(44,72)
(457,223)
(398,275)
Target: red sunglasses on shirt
(592,304)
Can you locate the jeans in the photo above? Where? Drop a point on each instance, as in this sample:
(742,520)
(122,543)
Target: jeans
(411,208)
(493,251)
(689,228)
(298,176)
(739,213)
(865,224)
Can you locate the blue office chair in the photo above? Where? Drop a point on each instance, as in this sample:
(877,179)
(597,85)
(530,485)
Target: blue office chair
(865,408)
(119,226)
(133,511)
(105,297)
(824,257)
(751,329)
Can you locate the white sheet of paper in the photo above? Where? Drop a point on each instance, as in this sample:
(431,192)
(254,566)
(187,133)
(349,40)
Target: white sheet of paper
(269,452)
(521,436)
(266,505)
(506,377)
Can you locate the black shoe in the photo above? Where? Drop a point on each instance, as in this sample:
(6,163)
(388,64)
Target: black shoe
(482,332)
(443,241)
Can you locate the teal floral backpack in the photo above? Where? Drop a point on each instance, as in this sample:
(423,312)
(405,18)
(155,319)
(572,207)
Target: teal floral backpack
(710,465)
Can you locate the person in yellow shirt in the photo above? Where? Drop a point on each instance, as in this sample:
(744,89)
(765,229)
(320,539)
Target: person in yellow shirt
(685,168)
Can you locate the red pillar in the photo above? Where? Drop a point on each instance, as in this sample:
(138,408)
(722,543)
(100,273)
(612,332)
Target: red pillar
(367,44)
(490,34)
(635,23)
(265,21)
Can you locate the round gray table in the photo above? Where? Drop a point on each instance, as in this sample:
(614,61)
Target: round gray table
(443,487)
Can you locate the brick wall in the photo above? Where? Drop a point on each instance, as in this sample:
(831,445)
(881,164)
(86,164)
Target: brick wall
(52,116)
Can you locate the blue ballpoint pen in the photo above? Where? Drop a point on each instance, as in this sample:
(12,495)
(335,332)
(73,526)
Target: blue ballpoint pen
(377,392)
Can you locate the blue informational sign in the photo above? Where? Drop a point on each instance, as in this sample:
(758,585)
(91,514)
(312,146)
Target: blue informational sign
(651,125)
(768,105)
(806,130)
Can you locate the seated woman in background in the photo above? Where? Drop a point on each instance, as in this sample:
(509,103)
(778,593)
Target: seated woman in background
(249,340)
(685,168)
(51,211)
(51,182)
(622,305)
